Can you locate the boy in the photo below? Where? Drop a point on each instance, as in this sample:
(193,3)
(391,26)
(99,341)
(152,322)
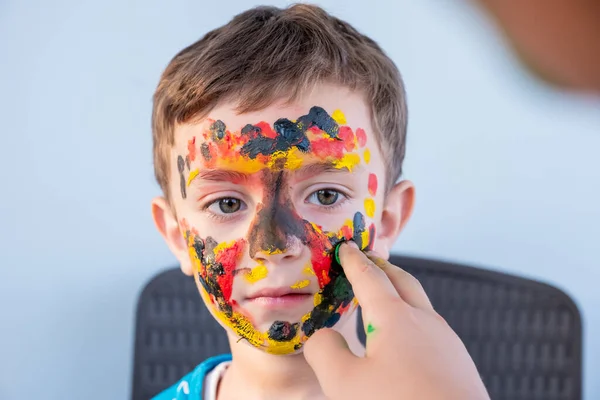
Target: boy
(277,137)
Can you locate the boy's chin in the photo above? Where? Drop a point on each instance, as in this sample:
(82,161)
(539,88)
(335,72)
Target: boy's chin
(285,347)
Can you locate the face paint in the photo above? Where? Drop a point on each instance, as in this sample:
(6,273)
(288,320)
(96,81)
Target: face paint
(256,274)
(283,147)
(370,208)
(274,152)
(308,270)
(372,184)
(182,181)
(367,156)
(301,284)
(361,136)
(215,265)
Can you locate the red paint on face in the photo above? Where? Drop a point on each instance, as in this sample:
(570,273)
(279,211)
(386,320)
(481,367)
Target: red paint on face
(266,129)
(371,237)
(372,184)
(347,232)
(320,258)
(345,133)
(324,148)
(192,149)
(229,258)
(361,136)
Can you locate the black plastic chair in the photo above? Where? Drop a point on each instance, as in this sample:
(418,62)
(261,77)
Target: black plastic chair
(524,336)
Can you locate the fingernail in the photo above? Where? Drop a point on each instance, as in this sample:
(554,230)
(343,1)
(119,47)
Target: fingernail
(351,243)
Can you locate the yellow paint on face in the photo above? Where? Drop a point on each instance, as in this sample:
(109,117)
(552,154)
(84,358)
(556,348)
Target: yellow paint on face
(365,238)
(301,284)
(309,270)
(349,161)
(291,159)
(242,164)
(317,299)
(193,174)
(244,328)
(257,273)
(223,246)
(276,251)
(370,207)
(339,117)
(294,159)
(367,156)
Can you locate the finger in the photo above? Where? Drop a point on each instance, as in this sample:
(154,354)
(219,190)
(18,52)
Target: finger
(407,286)
(370,284)
(328,354)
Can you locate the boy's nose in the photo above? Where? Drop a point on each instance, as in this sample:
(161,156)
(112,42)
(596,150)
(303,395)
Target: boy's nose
(291,251)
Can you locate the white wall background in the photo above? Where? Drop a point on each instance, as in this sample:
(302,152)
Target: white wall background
(507,171)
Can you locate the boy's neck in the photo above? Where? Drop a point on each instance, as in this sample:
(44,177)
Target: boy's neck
(255,374)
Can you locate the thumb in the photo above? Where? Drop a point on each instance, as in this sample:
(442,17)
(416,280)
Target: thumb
(328,354)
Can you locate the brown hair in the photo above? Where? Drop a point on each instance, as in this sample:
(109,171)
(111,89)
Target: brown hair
(266,54)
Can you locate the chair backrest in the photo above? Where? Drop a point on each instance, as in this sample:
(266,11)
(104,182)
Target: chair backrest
(524,336)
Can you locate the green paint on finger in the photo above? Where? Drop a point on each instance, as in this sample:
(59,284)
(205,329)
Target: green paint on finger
(370,329)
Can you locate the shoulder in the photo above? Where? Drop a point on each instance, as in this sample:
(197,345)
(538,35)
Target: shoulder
(190,386)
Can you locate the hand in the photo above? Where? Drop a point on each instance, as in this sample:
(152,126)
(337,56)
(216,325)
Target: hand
(411,352)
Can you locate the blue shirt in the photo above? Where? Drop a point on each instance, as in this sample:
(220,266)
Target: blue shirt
(190,386)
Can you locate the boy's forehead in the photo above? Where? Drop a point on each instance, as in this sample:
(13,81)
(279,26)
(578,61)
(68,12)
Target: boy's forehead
(331,98)
(328,132)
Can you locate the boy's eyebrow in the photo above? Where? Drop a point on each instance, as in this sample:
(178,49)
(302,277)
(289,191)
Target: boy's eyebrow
(220,175)
(313,169)
(304,172)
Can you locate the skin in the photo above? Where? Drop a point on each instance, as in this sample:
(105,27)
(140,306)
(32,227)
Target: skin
(272,250)
(411,351)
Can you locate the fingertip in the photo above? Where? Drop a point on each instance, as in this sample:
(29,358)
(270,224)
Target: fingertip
(344,249)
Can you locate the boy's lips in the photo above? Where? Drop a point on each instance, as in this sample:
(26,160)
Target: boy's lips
(283,297)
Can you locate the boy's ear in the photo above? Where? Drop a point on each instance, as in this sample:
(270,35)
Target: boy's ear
(397,209)
(168,226)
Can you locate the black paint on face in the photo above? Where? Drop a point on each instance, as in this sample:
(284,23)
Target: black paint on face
(336,294)
(283,331)
(181,169)
(218,130)
(289,134)
(276,221)
(205,151)
(205,252)
(359,227)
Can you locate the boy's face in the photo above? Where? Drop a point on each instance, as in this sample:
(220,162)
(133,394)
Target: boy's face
(260,201)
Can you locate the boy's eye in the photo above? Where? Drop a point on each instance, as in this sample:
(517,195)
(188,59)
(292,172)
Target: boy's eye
(327,197)
(227,205)
(324,197)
